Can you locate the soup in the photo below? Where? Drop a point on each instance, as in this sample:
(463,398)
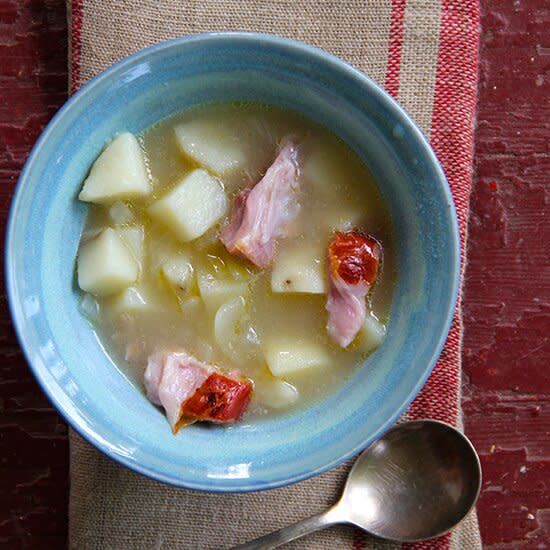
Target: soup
(236,261)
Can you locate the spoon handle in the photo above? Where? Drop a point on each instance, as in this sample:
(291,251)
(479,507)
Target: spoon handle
(294,531)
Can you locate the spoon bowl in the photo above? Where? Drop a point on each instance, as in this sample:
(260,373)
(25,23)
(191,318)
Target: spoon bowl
(416,482)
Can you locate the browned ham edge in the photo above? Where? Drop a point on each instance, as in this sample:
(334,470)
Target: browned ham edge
(353,260)
(191,391)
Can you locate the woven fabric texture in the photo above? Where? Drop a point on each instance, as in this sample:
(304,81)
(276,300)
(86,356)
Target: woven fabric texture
(425,53)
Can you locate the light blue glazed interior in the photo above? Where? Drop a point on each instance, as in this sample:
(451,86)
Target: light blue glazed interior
(46,222)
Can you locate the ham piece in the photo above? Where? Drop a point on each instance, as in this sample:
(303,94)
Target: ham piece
(191,391)
(353,260)
(262,214)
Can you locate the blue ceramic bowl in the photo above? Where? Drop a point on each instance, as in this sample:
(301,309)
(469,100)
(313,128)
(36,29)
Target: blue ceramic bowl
(46,221)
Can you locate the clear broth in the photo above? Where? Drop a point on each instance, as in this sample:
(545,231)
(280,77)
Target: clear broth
(348,192)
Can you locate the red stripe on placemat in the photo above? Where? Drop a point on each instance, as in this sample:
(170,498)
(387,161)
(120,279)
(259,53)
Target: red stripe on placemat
(439,398)
(452,139)
(394,48)
(455,101)
(441,543)
(76,43)
(358,540)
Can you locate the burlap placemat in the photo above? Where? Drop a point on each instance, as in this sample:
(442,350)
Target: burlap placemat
(424,52)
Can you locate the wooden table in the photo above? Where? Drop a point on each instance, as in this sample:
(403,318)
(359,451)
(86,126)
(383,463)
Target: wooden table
(507,293)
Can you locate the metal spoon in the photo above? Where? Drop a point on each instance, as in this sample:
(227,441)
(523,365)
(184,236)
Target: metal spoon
(416,482)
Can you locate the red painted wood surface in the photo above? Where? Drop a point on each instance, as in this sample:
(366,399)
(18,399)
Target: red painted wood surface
(33,439)
(507,293)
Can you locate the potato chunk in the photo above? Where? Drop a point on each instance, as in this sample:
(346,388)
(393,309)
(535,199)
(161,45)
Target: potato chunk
(215,147)
(234,334)
(121,213)
(118,173)
(133,236)
(192,308)
(326,175)
(131,300)
(287,357)
(192,207)
(177,271)
(323,170)
(227,326)
(222,277)
(216,291)
(228,143)
(300,268)
(276,394)
(106,265)
(371,334)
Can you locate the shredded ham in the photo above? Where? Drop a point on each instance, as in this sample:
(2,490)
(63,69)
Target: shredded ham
(262,214)
(191,391)
(353,260)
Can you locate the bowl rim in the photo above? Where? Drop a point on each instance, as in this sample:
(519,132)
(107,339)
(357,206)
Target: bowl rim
(88,431)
